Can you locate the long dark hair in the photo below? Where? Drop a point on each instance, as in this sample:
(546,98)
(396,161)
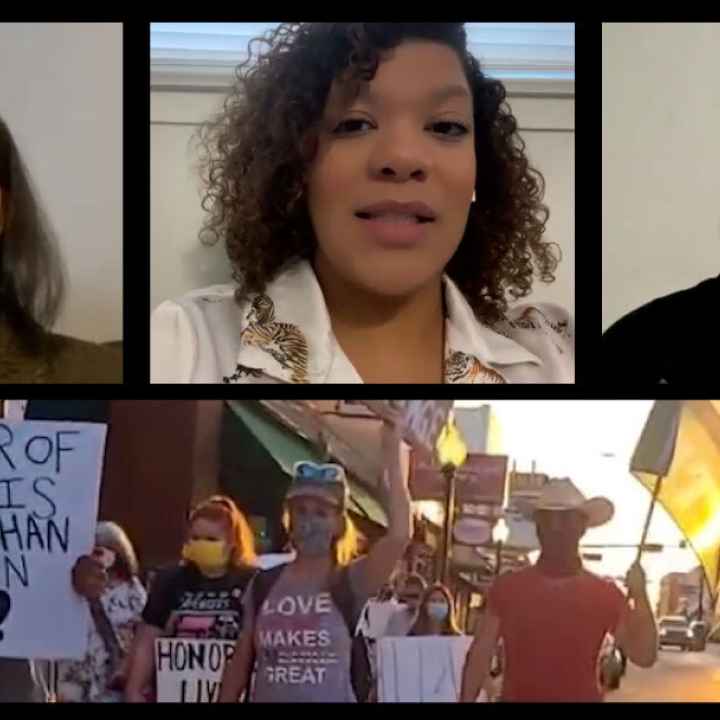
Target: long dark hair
(254,157)
(31,273)
(422,624)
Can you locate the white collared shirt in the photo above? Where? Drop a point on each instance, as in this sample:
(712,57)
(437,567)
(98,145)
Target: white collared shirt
(285,335)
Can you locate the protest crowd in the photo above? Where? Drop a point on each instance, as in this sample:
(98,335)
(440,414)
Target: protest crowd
(325,622)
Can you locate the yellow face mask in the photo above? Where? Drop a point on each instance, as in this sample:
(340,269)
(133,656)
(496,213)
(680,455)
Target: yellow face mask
(210,556)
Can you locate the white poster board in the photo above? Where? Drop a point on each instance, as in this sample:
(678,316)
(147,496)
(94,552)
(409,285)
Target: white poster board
(423,419)
(421,669)
(49,489)
(190,671)
(377,616)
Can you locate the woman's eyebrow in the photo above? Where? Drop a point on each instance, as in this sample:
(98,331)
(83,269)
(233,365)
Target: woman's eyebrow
(437,96)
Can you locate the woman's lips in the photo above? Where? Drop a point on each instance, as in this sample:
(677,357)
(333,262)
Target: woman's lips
(395,233)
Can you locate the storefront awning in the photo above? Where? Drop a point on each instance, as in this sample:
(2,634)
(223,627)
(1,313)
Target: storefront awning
(287,447)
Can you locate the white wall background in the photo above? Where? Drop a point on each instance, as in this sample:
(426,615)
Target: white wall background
(661,187)
(180,262)
(61,96)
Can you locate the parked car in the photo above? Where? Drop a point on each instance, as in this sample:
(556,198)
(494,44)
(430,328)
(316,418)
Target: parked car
(675,630)
(699,631)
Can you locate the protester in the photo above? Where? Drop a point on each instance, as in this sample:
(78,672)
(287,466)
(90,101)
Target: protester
(410,593)
(27,680)
(202,596)
(301,617)
(553,616)
(101,674)
(436,614)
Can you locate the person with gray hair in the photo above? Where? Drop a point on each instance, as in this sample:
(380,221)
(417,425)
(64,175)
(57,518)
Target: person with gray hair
(116,612)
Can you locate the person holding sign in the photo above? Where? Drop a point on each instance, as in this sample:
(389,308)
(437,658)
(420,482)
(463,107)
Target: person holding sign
(99,677)
(553,617)
(24,677)
(200,599)
(436,615)
(298,639)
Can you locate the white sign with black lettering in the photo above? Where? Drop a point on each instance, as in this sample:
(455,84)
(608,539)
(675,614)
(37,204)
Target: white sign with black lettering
(49,488)
(190,671)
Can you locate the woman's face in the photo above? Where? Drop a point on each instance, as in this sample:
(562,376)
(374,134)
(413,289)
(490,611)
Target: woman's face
(408,137)
(205,529)
(437,597)
(314,525)
(303,508)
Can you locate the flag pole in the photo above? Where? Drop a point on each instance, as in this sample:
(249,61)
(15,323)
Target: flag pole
(653,502)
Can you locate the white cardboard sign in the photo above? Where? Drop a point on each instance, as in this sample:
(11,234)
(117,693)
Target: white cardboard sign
(423,419)
(190,671)
(421,669)
(49,488)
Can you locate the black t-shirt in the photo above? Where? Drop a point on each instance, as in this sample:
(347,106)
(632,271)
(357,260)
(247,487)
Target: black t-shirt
(669,340)
(185,603)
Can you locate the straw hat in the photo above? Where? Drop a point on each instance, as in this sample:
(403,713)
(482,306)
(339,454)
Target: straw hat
(561,494)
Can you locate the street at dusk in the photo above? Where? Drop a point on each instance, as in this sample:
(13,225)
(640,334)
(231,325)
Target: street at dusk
(301,551)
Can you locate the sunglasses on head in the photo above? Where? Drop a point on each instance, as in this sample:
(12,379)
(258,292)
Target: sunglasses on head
(310,472)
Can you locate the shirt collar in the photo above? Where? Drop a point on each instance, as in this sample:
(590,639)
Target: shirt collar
(465,333)
(286,332)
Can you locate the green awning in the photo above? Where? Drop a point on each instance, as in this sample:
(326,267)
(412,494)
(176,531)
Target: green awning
(287,448)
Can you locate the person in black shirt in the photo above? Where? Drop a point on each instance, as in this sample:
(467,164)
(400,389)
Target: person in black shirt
(202,596)
(664,341)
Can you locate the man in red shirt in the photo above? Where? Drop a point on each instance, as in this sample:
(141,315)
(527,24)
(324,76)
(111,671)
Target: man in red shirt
(553,617)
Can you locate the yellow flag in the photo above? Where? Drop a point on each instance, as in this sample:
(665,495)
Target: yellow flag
(691,489)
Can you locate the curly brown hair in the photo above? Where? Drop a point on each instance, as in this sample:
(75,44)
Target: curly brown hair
(255,152)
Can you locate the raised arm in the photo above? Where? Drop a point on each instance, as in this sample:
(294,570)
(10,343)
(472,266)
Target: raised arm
(479,657)
(637,634)
(374,570)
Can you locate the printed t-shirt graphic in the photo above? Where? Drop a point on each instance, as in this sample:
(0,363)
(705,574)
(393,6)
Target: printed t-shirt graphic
(302,645)
(185,603)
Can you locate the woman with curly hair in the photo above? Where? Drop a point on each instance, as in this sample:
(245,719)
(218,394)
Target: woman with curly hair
(31,291)
(379,212)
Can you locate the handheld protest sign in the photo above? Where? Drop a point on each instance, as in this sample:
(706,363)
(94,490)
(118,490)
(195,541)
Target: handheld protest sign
(421,669)
(422,420)
(190,671)
(49,490)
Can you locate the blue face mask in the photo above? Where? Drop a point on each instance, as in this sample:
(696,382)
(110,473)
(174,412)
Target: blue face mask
(437,611)
(312,536)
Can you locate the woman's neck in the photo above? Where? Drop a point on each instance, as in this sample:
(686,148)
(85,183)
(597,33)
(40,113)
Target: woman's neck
(435,628)
(387,339)
(312,565)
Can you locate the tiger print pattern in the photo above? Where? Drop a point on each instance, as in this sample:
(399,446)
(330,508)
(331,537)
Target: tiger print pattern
(534,319)
(528,320)
(461,367)
(241,370)
(283,341)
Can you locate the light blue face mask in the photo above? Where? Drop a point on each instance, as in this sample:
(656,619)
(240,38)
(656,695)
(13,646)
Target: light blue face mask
(438,611)
(312,536)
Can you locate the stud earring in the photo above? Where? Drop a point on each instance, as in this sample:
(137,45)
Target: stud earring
(473,197)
